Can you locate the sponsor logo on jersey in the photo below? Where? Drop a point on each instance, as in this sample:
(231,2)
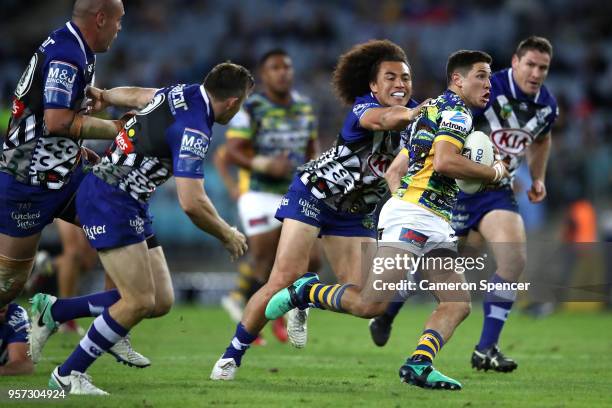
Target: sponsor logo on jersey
(309,209)
(61,76)
(123,142)
(26,220)
(194,144)
(454,120)
(177,97)
(18,320)
(93,231)
(511,141)
(413,237)
(138,225)
(17,108)
(379,163)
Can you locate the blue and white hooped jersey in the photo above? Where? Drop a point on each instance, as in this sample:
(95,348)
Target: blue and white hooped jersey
(170,136)
(55,78)
(349,176)
(13,330)
(513,119)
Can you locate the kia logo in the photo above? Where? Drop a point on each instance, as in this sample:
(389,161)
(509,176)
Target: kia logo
(511,141)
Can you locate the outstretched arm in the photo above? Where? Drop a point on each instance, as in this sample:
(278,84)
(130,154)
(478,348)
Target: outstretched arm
(202,212)
(124,96)
(391,118)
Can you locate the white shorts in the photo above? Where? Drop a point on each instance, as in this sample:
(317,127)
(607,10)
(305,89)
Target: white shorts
(256,210)
(412,228)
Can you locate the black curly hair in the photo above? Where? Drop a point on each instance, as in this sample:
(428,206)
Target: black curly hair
(358,67)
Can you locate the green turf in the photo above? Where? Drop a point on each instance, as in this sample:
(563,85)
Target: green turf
(565,361)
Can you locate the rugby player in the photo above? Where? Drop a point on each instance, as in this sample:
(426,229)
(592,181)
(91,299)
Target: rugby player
(40,165)
(169,136)
(416,220)
(274,132)
(14,359)
(334,197)
(518,118)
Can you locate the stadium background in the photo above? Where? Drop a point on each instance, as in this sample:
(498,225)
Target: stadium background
(166,42)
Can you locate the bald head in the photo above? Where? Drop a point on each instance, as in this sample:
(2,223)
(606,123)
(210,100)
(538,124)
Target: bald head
(99,21)
(87,8)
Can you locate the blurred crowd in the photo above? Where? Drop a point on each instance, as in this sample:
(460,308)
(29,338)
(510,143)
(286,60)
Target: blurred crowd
(164,42)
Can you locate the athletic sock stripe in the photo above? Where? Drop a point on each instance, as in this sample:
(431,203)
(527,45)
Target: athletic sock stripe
(429,344)
(436,336)
(338,298)
(113,325)
(312,294)
(423,353)
(97,337)
(105,330)
(91,348)
(330,295)
(321,294)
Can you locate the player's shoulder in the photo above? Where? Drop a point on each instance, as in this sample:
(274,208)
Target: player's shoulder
(363,103)
(546,97)
(450,101)
(64,44)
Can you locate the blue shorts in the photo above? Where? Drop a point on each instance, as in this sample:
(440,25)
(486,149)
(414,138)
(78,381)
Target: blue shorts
(470,208)
(299,204)
(110,217)
(25,210)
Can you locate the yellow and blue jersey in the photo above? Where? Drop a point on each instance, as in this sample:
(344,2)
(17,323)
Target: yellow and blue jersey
(273,129)
(448,119)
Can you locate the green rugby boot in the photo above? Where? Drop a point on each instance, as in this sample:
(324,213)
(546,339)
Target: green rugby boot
(426,376)
(290,297)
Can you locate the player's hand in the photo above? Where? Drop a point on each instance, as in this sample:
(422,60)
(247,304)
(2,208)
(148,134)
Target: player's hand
(501,171)
(414,112)
(537,192)
(235,243)
(89,155)
(281,166)
(95,102)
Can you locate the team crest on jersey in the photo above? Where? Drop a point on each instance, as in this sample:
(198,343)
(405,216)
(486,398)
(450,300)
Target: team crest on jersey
(155,102)
(511,141)
(25,82)
(506,111)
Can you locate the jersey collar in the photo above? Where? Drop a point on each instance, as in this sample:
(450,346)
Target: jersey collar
(74,30)
(516,90)
(211,113)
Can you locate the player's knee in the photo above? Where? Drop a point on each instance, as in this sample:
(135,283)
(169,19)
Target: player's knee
(141,306)
(367,310)
(462,310)
(163,304)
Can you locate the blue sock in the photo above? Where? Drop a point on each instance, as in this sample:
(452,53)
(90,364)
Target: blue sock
(67,309)
(394,307)
(496,306)
(101,336)
(240,343)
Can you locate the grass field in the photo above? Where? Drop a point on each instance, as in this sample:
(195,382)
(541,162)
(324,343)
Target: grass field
(565,361)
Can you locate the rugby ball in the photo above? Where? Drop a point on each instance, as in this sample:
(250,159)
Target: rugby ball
(478,148)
